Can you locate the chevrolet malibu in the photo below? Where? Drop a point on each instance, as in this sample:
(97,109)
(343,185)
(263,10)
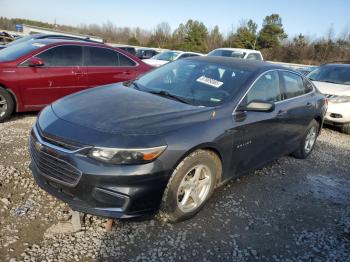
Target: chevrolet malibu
(35,73)
(169,138)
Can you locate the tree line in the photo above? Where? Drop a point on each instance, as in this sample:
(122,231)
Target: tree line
(193,35)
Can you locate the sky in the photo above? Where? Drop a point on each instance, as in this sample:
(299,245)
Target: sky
(309,17)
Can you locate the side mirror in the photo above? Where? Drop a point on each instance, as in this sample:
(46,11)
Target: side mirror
(259,106)
(35,62)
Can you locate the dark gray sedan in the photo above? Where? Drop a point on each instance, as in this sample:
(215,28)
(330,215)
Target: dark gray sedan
(169,138)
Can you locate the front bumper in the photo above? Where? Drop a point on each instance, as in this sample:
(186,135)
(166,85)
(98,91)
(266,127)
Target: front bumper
(113,191)
(338,114)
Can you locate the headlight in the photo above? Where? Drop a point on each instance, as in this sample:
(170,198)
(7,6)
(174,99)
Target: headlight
(339,99)
(126,156)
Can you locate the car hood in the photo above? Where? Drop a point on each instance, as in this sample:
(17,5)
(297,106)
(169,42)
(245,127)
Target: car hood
(332,89)
(155,62)
(117,109)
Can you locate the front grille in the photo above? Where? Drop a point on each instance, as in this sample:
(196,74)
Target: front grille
(57,141)
(52,167)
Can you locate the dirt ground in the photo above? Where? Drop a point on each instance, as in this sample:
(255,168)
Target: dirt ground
(290,210)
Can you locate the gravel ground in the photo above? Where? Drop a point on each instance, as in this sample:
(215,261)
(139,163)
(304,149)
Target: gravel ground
(290,210)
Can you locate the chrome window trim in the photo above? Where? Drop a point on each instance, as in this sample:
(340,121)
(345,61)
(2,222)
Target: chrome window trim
(69,44)
(64,150)
(111,48)
(82,46)
(278,102)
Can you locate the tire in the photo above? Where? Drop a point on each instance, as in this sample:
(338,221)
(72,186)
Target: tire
(6,105)
(209,169)
(345,128)
(304,150)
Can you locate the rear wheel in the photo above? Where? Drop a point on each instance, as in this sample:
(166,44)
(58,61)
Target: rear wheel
(191,185)
(345,129)
(308,141)
(6,104)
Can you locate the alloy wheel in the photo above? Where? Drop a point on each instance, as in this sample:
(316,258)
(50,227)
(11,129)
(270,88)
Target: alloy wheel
(310,139)
(3,105)
(194,188)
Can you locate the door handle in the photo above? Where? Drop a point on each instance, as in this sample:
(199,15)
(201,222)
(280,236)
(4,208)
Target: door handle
(281,113)
(309,104)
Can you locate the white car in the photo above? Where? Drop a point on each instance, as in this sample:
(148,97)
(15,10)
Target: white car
(237,53)
(168,56)
(334,81)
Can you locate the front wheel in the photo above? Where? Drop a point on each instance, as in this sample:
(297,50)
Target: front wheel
(6,104)
(308,141)
(191,185)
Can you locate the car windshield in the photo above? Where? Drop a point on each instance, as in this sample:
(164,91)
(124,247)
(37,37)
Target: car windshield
(16,51)
(166,56)
(332,74)
(195,82)
(227,53)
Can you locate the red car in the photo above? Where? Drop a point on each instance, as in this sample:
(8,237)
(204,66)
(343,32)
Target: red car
(36,73)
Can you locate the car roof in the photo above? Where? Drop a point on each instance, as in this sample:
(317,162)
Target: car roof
(192,53)
(239,49)
(48,41)
(252,65)
(338,64)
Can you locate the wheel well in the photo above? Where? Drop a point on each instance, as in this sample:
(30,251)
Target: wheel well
(319,121)
(12,95)
(220,168)
(206,148)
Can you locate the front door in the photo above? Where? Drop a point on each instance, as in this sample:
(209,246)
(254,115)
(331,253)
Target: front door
(257,136)
(62,74)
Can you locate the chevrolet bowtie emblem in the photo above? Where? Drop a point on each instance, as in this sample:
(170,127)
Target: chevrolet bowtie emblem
(38,146)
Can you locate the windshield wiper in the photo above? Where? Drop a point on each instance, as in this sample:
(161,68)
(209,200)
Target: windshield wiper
(136,85)
(132,82)
(166,94)
(332,82)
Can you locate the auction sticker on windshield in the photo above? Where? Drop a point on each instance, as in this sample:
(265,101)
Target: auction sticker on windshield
(209,81)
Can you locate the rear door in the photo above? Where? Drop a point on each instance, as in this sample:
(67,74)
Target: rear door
(107,66)
(258,135)
(297,107)
(61,75)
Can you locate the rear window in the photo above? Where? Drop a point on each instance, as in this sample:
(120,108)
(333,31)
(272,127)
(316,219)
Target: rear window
(16,51)
(254,56)
(227,53)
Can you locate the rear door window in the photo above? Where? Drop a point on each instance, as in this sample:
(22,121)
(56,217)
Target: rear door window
(66,55)
(125,61)
(293,85)
(102,57)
